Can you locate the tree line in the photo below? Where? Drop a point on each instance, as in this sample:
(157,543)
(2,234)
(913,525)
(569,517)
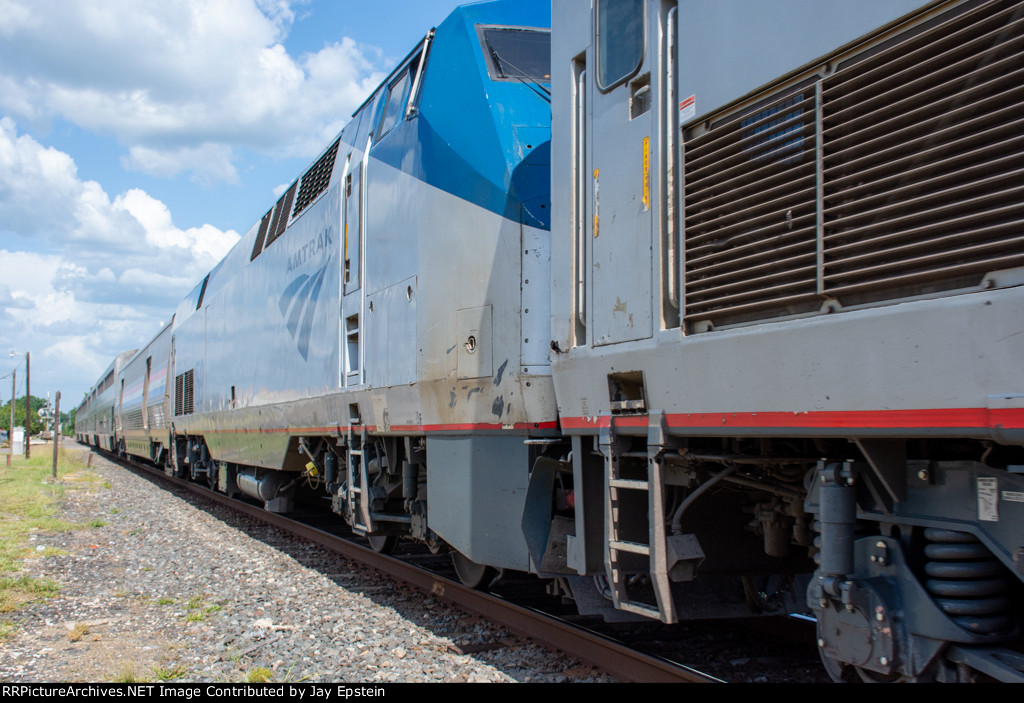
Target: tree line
(67,419)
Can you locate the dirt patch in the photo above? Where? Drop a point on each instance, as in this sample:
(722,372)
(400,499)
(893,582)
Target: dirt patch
(99,650)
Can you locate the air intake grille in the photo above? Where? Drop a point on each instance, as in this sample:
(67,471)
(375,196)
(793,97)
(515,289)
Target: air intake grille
(183,393)
(281,213)
(750,211)
(261,235)
(899,174)
(156,416)
(316,179)
(132,419)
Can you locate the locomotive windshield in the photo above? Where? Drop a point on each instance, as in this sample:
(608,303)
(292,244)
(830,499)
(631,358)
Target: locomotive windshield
(516,53)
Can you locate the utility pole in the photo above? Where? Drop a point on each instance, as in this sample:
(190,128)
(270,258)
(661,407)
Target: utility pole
(56,439)
(28,409)
(28,400)
(10,427)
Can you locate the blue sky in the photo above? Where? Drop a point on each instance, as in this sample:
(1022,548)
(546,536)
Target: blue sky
(139,140)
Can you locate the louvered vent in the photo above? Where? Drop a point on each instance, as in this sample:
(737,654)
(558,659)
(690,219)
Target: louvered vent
(916,188)
(750,212)
(132,419)
(924,166)
(316,179)
(261,236)
(183,393)
(156,416)
(281,211)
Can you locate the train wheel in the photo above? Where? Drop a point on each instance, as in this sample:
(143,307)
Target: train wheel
(841,672)
(868,676)
(383,544)
(470,573)
(838,671)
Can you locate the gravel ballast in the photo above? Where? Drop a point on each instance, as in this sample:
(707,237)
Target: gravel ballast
(164,590)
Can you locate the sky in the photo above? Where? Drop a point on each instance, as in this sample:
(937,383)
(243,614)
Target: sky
(139,140)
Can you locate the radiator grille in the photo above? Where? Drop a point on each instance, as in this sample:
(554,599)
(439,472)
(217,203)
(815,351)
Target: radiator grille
(281,213)
(261,235)
(316,179)
(750,238)
(897,175)
(183,393)
(132,419)
(156,416)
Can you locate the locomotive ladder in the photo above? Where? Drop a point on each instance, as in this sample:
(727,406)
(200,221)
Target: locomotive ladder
(615,450)
(358,495)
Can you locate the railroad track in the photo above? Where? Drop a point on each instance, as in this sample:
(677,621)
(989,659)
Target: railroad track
(613,657)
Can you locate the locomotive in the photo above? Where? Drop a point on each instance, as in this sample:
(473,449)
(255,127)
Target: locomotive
(695,310)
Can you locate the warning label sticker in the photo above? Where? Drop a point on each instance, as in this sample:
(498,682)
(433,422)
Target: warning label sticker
(688,108)
(647,173)
(988,499)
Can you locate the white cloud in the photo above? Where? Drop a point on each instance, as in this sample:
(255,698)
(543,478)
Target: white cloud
(42,198)
(206,244)
(183,84)
(24,165)
(17,17)
(209,163)
(116,268)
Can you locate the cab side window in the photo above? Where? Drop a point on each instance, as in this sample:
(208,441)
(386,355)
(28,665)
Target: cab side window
(620,40)
(398,100)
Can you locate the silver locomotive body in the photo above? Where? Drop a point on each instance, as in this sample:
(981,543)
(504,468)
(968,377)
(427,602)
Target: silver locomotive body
(390,313)
(788,316)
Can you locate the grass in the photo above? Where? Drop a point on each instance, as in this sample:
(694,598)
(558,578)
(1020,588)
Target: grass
(29,502)
(260,674)
(169,673)
(77,632)
(198,609)
(126,674)
(19,590)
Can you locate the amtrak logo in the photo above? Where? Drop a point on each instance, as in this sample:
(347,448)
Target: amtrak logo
(299,300)
(298,306)
(317,245)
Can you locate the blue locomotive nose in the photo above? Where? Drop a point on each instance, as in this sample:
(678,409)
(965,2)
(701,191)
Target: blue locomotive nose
(482,128)
(530,187)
